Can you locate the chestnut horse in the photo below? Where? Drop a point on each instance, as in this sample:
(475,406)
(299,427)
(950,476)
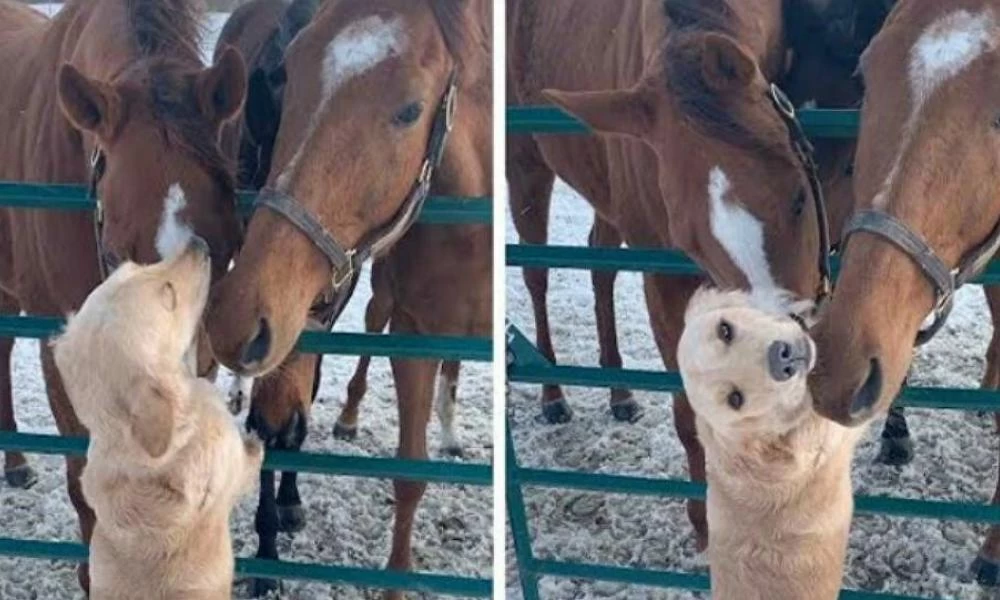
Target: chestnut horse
(363,109)
(118,85)
(692,152)
(928,204)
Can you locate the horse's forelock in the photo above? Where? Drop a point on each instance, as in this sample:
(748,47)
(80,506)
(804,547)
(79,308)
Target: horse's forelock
(701,15)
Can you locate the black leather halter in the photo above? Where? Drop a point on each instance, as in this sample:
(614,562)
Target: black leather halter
(806,154)
(346,262)
(944,279)
(106,261)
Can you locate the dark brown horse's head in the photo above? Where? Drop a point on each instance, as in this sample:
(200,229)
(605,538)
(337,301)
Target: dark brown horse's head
(156,125)
(928,155)
(738,196)
(363,85)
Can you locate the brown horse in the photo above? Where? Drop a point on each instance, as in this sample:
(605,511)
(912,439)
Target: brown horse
(691,153)
(926,189)
(366,87)
(121,82)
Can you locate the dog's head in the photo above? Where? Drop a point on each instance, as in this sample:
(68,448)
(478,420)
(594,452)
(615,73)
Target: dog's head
(122,356)
(744,366)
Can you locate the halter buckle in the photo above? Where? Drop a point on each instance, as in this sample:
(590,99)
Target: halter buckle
(339,279)
(782,102)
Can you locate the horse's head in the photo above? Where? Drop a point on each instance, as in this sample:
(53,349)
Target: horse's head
(738,193)
(365,85)
(157,167)
(927,164)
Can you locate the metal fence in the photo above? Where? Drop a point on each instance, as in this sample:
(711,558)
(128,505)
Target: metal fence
(527,365)
(438,211)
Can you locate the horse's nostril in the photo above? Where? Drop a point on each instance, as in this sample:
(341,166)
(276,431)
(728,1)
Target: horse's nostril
(869,392)
(260,346)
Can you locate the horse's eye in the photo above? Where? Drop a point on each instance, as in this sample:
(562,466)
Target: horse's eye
(849,170)
(725,332)
(996,122)
(735,400)
(800,203)
(409,114)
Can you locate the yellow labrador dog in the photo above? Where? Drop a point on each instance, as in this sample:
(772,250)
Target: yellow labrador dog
(779,475)
(166,463)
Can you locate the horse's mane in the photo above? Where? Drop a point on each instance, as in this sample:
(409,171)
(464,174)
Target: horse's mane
(167,36)
(161,27)
(704,107)
(462,35)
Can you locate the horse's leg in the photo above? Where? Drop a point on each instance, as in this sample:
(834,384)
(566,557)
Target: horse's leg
(986,567)
(16,470)
(69,425)
(446,404)
(667,300)
(266,525)
(896,446)
(415,391)
(623,404)
(530,181)
(279,410)
(377,315)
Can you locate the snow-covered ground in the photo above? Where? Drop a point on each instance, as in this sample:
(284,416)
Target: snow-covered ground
(349,519)
(956,453)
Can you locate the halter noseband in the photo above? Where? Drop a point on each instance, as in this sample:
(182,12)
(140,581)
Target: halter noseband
(945,280)
(346,262)
(805,152)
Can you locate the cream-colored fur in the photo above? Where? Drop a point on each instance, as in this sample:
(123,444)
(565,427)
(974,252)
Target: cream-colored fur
(779,481)
(166,463)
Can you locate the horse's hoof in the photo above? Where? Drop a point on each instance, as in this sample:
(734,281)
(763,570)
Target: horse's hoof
(626,411)
(557,412)
(986,571)
(454,452)
(895,452)
(348,433)
(21,476)
(262,587)
(291,519)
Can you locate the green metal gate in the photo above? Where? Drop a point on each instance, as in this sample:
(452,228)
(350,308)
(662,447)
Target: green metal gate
(439,211)
(527,365)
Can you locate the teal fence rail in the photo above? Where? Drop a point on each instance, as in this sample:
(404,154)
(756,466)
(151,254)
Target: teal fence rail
(438,211)
(525,364)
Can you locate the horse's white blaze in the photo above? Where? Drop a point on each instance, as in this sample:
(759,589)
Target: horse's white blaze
(357,49)
(173,235)
(945,49)
(361,46)
(445,404)
(739,233)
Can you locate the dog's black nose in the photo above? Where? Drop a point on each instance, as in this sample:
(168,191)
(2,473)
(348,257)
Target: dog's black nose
(785,361)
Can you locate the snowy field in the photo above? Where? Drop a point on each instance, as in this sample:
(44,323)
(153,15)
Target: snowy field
(349,519)
(956,453)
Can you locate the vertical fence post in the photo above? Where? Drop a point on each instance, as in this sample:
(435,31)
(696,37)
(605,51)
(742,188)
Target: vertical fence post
(519,522)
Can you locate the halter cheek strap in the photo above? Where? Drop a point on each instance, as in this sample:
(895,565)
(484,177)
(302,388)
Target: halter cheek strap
(946,281)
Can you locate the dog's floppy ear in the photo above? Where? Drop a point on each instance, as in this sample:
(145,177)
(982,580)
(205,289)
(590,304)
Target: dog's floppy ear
(152,415)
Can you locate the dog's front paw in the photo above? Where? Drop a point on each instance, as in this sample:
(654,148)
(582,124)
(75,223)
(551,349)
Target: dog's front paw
(254,449)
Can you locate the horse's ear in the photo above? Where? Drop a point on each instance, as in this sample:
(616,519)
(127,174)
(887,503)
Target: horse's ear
(222,88)
(629,112)
(725,65)
(88,104)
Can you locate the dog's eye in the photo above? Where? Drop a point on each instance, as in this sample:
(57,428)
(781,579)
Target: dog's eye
(725,332)
(168,296)
(735,399)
